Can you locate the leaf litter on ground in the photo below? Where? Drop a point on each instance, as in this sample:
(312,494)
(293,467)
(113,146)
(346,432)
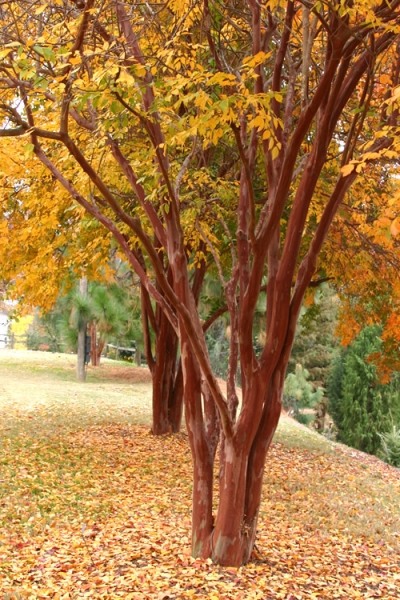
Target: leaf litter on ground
(94,506)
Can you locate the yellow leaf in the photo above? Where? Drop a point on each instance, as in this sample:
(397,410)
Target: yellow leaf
(347,169)
(125,77)
(41,9)
(385,79)
(275,152)
(257,59)
(5,52)
(75,60)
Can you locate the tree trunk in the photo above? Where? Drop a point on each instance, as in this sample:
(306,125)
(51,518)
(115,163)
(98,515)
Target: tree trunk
(166,370)
(229,540)
(93,344)
(99,350)
(229,536)
(203,452)
(167,381)
(175,400)
(80,365)
(96,345)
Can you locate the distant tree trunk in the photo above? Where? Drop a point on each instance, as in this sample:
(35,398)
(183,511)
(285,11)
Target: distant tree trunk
(99,349)
(165,368)
(96,345)
(138,357)
(94,358)
(80,367)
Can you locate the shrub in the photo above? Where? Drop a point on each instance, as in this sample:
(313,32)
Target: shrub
(390,446)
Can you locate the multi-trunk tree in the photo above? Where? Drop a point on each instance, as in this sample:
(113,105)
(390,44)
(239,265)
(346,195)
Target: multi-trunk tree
(235,131)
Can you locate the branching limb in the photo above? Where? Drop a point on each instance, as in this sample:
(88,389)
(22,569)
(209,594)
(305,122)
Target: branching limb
(213,252)
(113,228)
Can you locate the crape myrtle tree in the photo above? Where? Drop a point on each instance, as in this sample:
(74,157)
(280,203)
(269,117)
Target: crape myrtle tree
(168,93)
(45,243)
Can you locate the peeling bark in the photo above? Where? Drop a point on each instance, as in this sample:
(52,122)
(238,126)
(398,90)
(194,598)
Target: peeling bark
(310,80)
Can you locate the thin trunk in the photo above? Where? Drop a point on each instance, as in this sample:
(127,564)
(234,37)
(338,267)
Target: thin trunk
(202,515)
(99,349)
(175,400)
(166,372)
(80,365)
(93,344)
(257,457)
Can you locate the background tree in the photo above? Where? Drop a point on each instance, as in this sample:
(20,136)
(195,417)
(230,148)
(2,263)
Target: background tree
(299,393)
(111,308)
(315,341)
(313,349)
(111,313)
(363,408)
(390,446)
(365,241)
(295,90)
(46,243)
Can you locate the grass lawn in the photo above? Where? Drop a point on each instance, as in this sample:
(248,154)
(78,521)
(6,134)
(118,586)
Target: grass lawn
(93,506)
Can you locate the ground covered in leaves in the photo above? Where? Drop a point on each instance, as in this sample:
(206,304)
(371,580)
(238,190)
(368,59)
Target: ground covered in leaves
(93,506)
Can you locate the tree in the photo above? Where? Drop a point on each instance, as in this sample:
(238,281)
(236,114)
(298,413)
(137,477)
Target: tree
(107,311)
(235,127)
(364,240)
(315,341)
(363,408)
(45,243)
(111,312)
(314,349)
(390,446)
(299,393)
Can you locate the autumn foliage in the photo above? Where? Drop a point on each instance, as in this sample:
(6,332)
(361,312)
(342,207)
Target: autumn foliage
(220,137)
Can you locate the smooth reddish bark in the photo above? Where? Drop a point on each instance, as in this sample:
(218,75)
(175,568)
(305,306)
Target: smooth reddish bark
(227,536)
(165,368)
(274,239)
(167,399)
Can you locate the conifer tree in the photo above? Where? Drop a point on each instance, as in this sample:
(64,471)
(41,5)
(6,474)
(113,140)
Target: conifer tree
(362,406)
